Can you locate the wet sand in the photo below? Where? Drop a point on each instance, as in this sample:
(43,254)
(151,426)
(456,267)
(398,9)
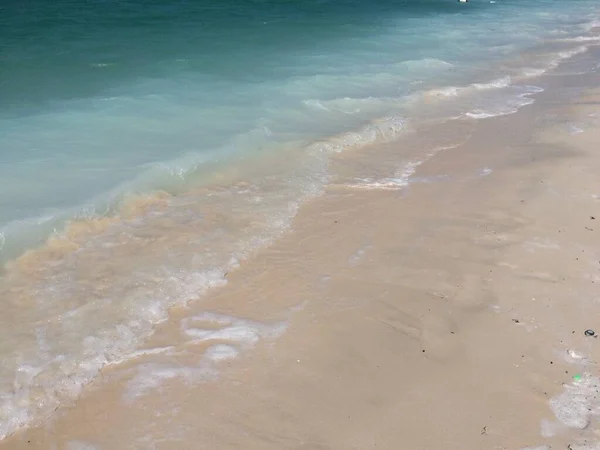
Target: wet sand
(444,314)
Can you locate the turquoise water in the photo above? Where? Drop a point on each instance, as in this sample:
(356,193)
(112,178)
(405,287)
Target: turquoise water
(99,99)
(184,134)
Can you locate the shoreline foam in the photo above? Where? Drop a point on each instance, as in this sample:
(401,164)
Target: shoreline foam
(69,386)
(446,288)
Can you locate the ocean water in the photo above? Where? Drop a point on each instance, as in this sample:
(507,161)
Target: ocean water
(147,147)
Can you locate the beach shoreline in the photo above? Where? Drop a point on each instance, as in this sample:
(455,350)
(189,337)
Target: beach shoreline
(432,297)
(181,189)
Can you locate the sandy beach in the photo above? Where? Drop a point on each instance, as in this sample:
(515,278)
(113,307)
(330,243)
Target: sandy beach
(443,308)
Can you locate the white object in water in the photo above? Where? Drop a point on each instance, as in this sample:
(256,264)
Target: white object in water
(463,1)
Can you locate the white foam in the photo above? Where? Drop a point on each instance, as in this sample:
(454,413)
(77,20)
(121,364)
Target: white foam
(580,39)
(140,354)
(483,114)
(410,168)
(498,83)
(427,63)
(231,334)
(573,52)
(579,401)
(393,183)
(245,333)
(152,376)
(575,356)
(589,26)
(351,106)
(79,445)
(576,406)
(584,446)
(506,106)
(384,183)
(236,333)
(450,91)
(51,374)
(556,59)
(404,177)
(381,130)
(220,352)
(574,129)
(454,91)
(316,104)
(532,72)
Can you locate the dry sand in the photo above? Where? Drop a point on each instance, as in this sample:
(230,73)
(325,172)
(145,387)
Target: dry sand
(444,315)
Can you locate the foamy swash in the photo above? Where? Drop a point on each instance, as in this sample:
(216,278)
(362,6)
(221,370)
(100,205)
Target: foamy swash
(139,167)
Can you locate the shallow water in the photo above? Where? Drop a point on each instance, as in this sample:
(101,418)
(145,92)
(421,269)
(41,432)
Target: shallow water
(99,101)
(147,147)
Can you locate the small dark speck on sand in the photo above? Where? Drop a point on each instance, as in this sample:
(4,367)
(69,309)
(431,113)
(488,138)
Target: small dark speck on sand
(516,320)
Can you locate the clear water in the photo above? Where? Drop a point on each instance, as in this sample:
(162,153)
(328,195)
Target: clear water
(100,99)
(147,146)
